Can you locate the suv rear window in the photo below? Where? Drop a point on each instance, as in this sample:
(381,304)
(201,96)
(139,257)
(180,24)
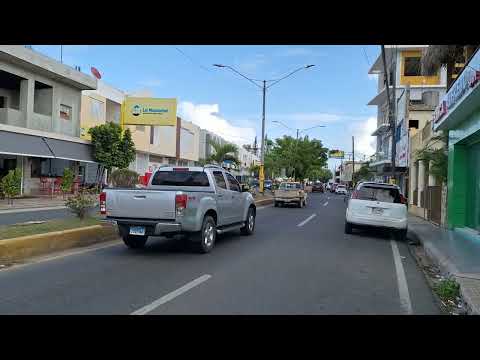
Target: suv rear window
(180,178)
(378,193)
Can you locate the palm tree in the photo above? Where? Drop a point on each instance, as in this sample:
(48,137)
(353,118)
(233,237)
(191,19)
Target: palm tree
(226,152)
(436,56)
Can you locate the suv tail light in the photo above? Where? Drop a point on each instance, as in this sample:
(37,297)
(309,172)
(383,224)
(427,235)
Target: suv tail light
(354,195)
(180,203)
(103,203)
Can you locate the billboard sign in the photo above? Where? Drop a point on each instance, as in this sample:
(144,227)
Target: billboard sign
(336,154)
(149,111)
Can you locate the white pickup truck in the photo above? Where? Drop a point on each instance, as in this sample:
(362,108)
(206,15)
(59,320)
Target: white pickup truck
(199,201)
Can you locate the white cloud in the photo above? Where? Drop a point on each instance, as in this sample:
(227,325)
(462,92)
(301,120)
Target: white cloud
(365,143)
(253,64)
(208,117)
(151,83)
(312,118)
(142,92)
(298,51)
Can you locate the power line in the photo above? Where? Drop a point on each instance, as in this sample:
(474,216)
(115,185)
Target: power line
(192,60)
(366,56)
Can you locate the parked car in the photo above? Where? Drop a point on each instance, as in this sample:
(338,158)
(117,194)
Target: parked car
(341,189)
(200,202)
(268,184)
(317,187)
(378,205)
(290,193)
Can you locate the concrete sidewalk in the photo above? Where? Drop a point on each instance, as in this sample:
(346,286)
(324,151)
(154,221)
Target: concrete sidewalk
(456,252)
(32,204)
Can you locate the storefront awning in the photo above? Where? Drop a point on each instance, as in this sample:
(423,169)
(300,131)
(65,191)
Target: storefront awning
(23,145)
(70,150)
(12,143)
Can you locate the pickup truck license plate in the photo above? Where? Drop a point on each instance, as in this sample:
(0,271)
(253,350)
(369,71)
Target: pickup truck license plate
(137,230)
(377,211)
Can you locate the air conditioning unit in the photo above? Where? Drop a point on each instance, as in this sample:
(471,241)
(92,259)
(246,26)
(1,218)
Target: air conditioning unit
(430,98)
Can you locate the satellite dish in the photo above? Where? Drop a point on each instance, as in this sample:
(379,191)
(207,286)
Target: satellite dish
(95,73)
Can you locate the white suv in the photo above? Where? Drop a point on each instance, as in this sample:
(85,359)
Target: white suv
(341,189)
(377,205)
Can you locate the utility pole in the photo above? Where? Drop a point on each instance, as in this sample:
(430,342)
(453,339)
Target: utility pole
(261,174)
(353,160)
(391,108)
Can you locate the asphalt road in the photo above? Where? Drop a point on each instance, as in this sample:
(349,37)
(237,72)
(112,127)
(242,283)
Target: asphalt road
(295,263)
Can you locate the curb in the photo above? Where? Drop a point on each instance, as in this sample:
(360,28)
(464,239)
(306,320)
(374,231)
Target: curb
(20,248)
(264,202)
(446,266)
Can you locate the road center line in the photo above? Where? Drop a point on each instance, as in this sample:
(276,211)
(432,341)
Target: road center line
(307,220)
(172,295)
(325,204)
(405,302)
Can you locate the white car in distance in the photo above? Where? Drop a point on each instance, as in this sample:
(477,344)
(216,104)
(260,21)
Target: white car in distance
(341,189)
(378,205)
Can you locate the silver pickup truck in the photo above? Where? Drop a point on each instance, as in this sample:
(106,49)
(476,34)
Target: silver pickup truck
(199,201)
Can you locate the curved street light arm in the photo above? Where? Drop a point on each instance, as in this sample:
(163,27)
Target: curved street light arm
(239,73)
(313,127)
(290,74)
(281,123)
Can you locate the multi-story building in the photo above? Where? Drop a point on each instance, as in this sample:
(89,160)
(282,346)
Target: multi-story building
(403,66)
(40,101)
(155,146)
(458,115)
(346,171)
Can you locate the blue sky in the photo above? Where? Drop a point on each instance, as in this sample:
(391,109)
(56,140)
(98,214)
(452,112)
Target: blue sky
(334,93)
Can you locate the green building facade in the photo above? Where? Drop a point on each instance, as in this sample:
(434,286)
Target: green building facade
(459,114)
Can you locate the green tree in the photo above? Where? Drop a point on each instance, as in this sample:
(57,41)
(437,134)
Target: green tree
(226,152)
(364,174)
(11,184)
(67,180)
(112,146)
(437,155)
(321,174)
(124,178)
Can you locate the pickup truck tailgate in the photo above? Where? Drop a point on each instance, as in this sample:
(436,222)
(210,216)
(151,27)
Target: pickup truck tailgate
(141,204)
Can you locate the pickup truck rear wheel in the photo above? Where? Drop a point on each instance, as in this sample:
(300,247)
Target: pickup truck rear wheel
(135,242)
(249,226)
(204,240)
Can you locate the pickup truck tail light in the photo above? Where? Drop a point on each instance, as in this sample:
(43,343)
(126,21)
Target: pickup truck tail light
(103,203)
(354,194)
(180,203)
(403,199)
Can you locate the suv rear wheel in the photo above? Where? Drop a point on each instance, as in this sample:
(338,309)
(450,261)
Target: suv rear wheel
(348,228)
(249,226)
(204,240)
(401,235)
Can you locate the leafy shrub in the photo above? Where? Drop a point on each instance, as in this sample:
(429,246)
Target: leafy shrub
(67,180)
(124,178)
(11,184)
(447,289)
(80,203)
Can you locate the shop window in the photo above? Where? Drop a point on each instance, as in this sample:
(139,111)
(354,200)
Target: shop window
(65,112)
(96,111)
(36,167)
(412,66)
(413,124)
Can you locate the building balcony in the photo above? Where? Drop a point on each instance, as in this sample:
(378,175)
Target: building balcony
(382,129)
(379,159)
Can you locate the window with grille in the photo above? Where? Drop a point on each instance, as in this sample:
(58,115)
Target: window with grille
(412,66)
(65,112)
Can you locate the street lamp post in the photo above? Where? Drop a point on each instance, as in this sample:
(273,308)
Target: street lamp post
(264,88)
(298,132)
